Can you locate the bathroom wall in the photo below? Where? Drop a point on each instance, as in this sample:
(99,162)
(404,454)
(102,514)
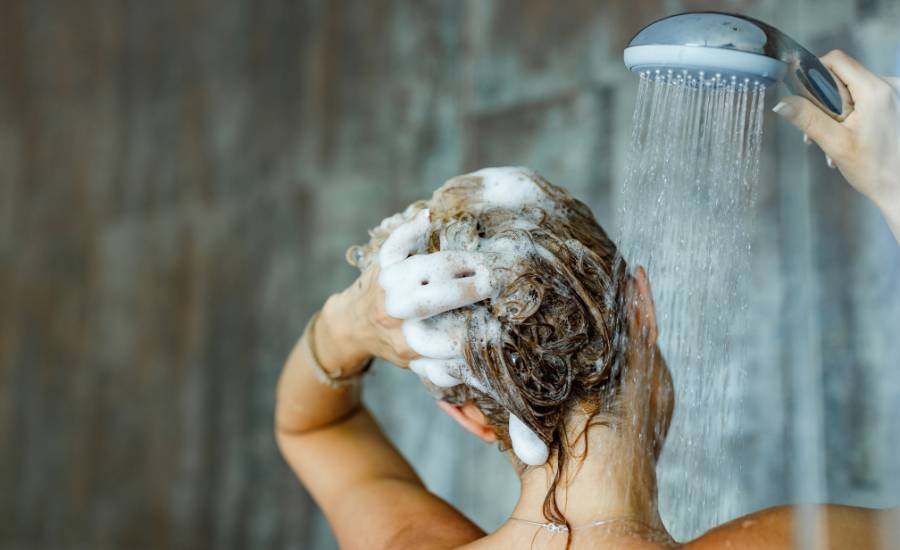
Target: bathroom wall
(178,184)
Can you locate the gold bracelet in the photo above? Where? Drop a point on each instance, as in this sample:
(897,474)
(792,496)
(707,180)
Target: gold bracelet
(335,381)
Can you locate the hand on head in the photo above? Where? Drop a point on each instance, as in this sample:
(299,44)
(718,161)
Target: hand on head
(402,308)
(425,292)
(397,294)
(865,146)
(416,320)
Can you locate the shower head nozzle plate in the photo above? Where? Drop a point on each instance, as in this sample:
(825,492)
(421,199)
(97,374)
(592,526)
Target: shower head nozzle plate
(711,62)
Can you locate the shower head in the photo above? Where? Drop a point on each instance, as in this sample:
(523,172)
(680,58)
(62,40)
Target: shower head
(711,44)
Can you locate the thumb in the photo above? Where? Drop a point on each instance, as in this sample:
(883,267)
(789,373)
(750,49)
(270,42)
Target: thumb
(812,121)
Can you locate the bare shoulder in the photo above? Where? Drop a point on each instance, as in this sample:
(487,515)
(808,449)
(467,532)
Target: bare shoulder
(771,528)
(848,527)
(774,528)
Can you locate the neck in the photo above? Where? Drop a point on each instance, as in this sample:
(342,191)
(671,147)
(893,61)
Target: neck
(615,480)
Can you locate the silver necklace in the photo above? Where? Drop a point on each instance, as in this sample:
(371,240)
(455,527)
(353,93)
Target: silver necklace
(557,528)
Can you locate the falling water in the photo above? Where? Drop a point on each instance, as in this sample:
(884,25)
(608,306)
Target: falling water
(685,216)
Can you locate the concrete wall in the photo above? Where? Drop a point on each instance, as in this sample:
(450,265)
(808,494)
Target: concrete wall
(178,184)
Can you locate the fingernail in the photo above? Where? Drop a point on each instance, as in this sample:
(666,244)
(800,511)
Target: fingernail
(829,162)
(806,139)
(783,109)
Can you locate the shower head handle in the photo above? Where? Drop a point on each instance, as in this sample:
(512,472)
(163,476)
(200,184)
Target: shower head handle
(690,40)
(806,75)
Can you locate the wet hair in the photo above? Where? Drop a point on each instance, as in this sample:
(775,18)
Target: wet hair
(563,329)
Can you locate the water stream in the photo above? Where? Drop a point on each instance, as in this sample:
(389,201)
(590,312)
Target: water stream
(686,216)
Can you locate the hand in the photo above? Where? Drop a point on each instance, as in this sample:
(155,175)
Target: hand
(353,326)
(865,147)
(385,306)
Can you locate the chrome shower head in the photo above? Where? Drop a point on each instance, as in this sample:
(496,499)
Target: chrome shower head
(708,44)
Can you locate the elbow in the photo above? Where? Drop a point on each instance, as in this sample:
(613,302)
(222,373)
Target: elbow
(288,426)
(286,436)
(285,426)
(281,437)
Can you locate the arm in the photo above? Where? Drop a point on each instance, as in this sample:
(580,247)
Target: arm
(368,492)
(865,147)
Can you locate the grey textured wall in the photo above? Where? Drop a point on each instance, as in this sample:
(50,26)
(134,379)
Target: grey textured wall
(179,181)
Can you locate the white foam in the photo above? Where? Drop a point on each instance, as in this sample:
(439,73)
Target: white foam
(439,337)
(484,327)
(526,444)
(444,373)
(392,222)
(426,285)
(420,367)
(506,251)
(511,187)
(407,238)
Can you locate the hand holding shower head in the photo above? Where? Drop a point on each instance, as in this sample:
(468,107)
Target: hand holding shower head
(729,45)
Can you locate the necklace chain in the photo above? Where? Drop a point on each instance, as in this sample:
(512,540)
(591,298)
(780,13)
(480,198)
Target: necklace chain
(556,528)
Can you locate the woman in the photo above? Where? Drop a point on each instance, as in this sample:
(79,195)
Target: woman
(524,322)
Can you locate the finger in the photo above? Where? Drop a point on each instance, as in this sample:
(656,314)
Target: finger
(426,285)
(434,299)
(448,373)
(426,269)
(811,120)
(440,336)
(407,239)
(401,349)
(364,281)
(858,79)
(444,373)
(419,367)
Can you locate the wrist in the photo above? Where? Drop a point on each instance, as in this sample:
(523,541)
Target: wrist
(337,348)
(888,202)
(891,213)
(889,205)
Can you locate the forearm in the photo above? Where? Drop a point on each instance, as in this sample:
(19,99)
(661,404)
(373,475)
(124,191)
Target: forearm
(305,401)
